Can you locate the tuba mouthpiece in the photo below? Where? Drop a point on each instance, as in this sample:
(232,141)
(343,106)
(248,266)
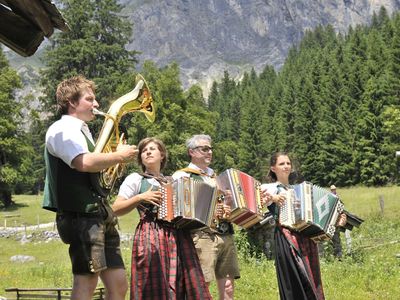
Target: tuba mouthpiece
(98,112)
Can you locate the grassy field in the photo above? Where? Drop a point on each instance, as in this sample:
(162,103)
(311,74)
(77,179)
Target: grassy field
(371,272)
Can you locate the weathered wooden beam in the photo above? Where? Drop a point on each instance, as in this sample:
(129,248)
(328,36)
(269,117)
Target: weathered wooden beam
(19,34)
(25,23)
(34,12)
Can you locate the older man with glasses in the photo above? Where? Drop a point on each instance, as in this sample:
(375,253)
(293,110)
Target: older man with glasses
(215,246)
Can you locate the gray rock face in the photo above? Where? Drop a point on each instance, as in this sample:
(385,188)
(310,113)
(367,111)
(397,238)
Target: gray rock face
(207,37)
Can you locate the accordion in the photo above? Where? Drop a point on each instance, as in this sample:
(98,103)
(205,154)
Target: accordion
(243,194)
(352,220)
(188,203)
(311,210)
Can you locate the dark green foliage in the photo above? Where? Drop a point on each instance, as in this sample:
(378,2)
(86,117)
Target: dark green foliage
(94,47)
(334,104)
(15,150)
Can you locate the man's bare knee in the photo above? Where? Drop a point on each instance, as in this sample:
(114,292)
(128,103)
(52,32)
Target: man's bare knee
(115,282)
(84,286)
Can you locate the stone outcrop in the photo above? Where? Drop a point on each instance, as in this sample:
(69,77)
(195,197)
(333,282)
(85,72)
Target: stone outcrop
(207,37)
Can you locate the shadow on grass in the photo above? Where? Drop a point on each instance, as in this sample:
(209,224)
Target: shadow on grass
(13,207)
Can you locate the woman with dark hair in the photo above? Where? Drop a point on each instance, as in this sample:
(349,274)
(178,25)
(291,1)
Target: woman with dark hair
(296,260)
(164,260)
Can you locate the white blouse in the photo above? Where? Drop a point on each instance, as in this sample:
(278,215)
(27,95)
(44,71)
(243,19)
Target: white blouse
(131,185)
(271,188)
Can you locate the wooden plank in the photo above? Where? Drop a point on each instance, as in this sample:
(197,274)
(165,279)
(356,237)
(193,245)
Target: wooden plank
(50,293)
(55,16)
(38,15)
(42,296)
(13,289)
(18,34)
(33,12)
(24,23)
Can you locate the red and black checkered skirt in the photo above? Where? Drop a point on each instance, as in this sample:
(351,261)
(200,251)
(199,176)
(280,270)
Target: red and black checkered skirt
(165,264)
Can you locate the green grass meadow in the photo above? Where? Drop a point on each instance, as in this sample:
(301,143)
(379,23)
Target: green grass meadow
(372,271)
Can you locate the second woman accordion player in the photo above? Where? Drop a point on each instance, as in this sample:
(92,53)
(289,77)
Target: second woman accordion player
(164,260)
(296,261)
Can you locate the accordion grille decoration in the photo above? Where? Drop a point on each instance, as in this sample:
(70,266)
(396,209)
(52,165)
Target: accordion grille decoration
(311,210)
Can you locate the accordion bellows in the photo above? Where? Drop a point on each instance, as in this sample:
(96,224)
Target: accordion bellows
(188,203)
(311,210)
(243,194)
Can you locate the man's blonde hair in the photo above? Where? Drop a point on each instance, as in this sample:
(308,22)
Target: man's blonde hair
(70,90)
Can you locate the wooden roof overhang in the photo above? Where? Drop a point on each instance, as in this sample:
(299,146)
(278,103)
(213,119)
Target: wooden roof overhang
(25,23)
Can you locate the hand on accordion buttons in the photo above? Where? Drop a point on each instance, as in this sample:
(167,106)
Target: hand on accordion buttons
(266,198)
(152,197)
(279,199)
(342,220)
(219,213)
(227,211)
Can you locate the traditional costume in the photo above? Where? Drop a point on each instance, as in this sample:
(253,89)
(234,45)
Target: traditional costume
(165,265)
(215,246)
(296,260)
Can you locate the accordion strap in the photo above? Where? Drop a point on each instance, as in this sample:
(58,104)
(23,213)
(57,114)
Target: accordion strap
(190,170)
(196,172)
(161,179)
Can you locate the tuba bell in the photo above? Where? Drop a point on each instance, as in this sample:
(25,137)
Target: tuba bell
(137,100)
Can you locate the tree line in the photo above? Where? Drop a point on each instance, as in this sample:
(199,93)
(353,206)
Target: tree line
(333,104)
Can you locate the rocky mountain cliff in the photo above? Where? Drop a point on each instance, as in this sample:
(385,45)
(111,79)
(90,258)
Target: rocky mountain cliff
(207,37)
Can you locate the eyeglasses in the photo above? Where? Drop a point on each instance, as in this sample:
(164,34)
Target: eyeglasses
(204,149)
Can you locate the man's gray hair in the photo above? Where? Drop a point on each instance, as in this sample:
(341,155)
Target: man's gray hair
(192,142)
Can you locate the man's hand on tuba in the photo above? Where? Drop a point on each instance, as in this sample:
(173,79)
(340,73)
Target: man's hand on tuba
(128,152)
(137,100)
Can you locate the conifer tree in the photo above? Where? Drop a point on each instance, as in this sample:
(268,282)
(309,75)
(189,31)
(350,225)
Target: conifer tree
(227,108)
(179,114)
(94,47)
(250,152)
(213,99)
(394,60)
(371,156)
(15,151)
(338,142)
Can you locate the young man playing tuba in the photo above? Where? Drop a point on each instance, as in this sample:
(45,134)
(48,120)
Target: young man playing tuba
(84,219)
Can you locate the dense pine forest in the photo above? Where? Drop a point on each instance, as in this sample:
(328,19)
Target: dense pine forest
(334,104)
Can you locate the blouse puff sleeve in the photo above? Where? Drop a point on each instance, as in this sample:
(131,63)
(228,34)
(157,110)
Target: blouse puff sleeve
(130,186)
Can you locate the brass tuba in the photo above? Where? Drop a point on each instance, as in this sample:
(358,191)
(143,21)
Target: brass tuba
(139,99)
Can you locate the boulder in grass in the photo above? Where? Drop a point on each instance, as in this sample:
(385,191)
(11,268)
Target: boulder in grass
(21,258)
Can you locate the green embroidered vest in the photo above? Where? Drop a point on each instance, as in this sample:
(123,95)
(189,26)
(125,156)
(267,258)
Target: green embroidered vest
(67,189)
(145,185)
